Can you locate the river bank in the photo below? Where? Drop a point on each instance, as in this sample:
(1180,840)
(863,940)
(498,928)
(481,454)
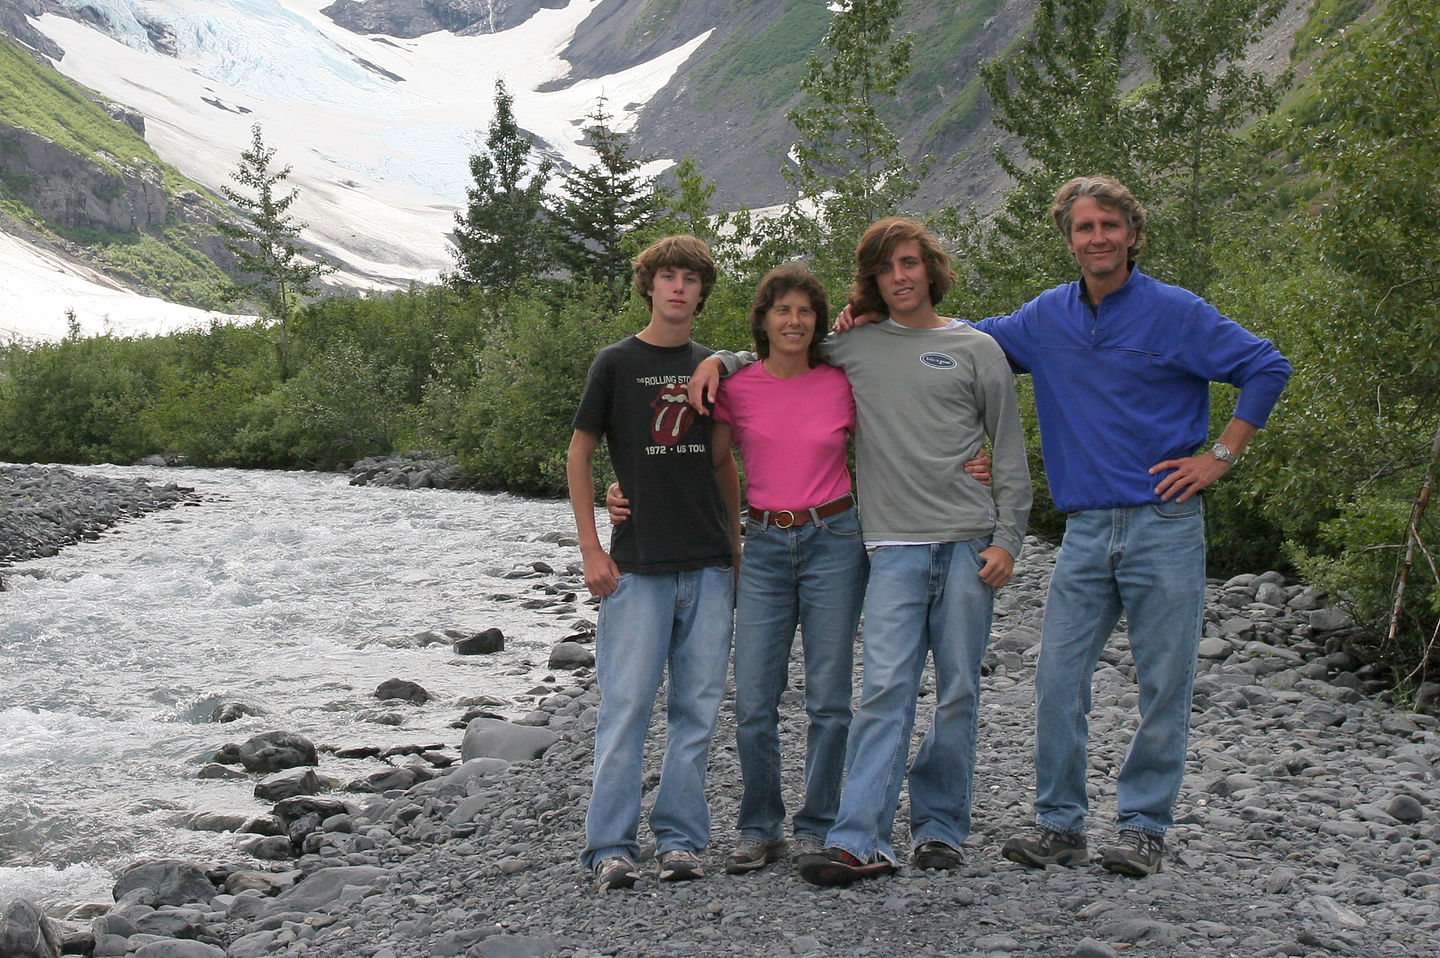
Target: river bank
(1307,825)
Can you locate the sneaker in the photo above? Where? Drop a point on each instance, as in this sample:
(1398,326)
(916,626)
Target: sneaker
(680,864)
(1136,853)
(752,853)
(835,866)
(803,844)
(1047,847)
(616,872)
(937,855)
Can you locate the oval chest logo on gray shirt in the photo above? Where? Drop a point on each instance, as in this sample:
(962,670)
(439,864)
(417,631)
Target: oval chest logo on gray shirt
(937,360)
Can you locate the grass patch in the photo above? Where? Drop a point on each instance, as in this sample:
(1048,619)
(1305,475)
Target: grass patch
(762,72)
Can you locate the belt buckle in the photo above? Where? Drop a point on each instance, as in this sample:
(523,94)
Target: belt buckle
(775,519)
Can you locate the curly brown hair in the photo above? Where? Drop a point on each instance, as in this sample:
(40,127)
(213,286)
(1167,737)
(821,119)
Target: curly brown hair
(678,252)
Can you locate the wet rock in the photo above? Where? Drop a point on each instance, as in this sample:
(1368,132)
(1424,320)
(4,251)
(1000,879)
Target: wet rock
(571,655)
(270,752)
(165,882)
(287,784)
(402,689)
(25,932)
(478,643)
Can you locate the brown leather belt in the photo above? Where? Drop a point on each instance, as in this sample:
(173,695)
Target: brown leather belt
(788,519)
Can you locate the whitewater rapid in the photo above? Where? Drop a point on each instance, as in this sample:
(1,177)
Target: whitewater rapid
(293,593)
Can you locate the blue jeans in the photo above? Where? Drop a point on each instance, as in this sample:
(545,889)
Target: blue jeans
(1149,562)
(814,576)
(679,619)
(921,599)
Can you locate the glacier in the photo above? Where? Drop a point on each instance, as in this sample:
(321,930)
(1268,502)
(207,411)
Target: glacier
(378,130)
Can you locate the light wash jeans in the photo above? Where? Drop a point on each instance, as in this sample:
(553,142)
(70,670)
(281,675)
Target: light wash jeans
(814,576)
(679,619)
(921,599)
(1149,562)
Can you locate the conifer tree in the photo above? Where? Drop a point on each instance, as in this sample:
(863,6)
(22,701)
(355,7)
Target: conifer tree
(500,238)
(848,166)
(265,241)
(601,205)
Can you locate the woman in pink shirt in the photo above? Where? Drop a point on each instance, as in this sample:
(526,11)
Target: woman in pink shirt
(804,563)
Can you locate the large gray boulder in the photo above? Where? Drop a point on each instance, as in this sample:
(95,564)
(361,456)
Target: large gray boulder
(270,752)
(25,932)
(167,881)
(287,784)
(324,886)
(497,738)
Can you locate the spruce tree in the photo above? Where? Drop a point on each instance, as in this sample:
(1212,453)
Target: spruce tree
(265,241)
(500,238)
(848,166)
(601,205)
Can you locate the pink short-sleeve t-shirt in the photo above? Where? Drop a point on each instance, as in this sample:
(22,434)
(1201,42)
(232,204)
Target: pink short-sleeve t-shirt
(791,434)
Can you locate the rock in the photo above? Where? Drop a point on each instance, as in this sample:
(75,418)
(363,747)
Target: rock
(402,689)
(165,882)
(270,752)
(25,932)
(216,821)
(479,643)
(571,655)
(383,781)
(1330,620)
(1214,647)
(1090,948)
(292,809)
(325,885)
(216,770)
(1405,808)
(287,784)
(495,738)
(232,711)
(178,949)
(273,848)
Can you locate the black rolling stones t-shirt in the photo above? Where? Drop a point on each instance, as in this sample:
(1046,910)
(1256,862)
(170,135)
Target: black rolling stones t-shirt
(660,448)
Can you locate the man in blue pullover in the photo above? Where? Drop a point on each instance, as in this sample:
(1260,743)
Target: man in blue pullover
(1122,366)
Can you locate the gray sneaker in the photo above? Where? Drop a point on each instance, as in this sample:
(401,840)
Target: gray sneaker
(616,872)
(752,853)
(1135,853)
(803,844)
(1046,847)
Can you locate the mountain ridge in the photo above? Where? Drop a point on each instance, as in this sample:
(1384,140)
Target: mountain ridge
(712,79)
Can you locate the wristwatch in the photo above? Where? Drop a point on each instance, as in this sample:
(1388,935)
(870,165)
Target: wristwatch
(1222,452)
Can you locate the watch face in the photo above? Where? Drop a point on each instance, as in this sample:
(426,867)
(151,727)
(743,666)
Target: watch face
(1223,453)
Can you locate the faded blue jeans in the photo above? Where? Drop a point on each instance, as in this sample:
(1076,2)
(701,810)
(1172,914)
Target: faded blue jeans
(1149,562)
(922,600)
(812,575)
(680,620)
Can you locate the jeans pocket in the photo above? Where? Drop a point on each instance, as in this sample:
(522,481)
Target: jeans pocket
(1193,506)
(843,526)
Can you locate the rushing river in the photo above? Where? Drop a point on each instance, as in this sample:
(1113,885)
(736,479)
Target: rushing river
(294,593)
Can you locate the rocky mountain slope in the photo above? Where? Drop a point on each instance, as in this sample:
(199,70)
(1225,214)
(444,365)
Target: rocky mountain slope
(712,79)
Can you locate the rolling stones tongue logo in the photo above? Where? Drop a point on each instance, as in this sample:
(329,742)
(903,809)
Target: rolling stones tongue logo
(673,415)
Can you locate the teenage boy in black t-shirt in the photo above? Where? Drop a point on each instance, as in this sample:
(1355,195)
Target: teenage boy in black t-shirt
(667,583)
